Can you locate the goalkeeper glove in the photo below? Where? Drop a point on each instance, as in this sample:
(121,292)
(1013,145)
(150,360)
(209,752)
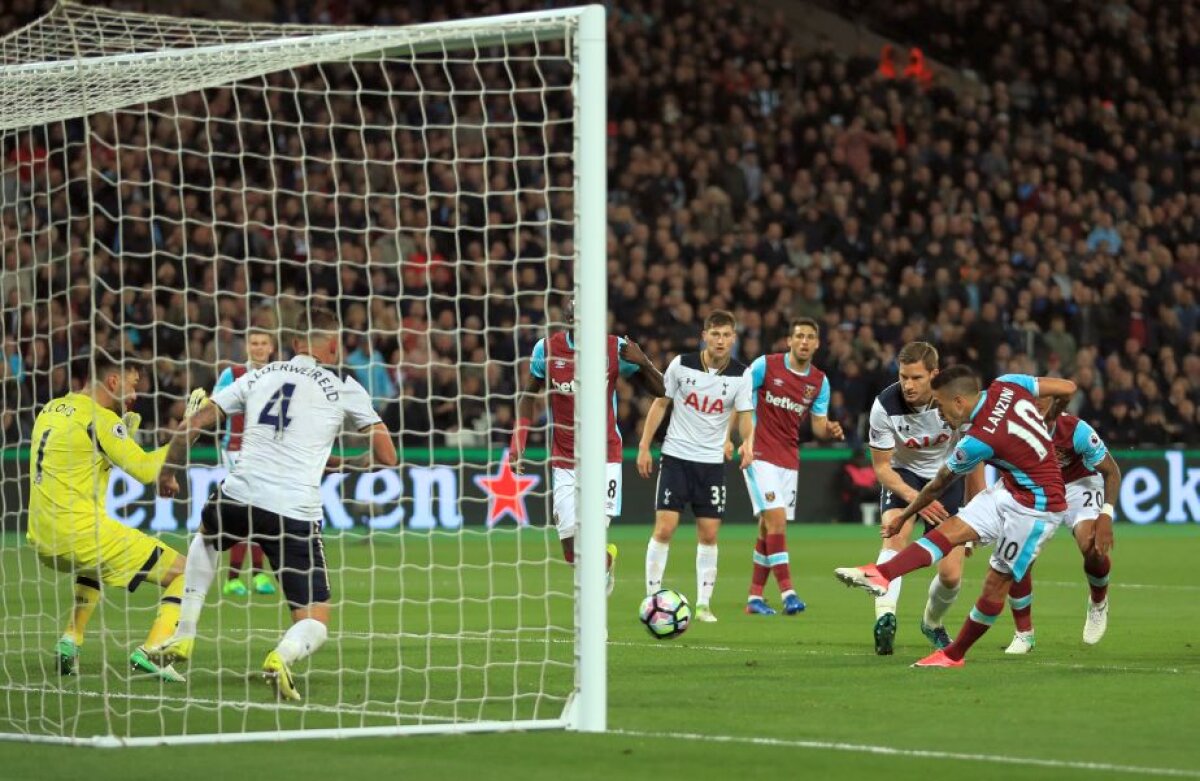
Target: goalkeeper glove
(198,399)
(132,422)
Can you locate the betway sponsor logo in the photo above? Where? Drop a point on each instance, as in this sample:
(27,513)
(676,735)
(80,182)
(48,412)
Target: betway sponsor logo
(786,403)
(564,387)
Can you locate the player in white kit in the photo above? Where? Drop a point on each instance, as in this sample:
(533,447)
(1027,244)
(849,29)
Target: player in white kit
(294,410)
(909,442)
(706,388)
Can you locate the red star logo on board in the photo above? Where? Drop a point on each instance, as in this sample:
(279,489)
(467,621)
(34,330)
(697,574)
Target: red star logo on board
(506,491)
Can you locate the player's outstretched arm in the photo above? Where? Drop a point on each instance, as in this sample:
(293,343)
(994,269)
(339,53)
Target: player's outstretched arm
(966,457)
(200,419)
(648,375)
(382,451)
(881,462)
(115,438)
(746,432)
(534,387)
(1102,541)
(732,427)
(1057,387)
(654,419)
(932,490)
(976,483)
(826,429)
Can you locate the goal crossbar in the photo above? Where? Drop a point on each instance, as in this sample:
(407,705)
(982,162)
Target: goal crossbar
(52,91)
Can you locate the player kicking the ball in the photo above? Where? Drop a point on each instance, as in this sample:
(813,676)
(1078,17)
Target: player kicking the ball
(294,411)
(552,367)
(785,389)
(909,442)
(709,386)
(1092,478)
(1018,513)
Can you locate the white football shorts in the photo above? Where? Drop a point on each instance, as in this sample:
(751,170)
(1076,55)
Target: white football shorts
(1018,532)
(563,481)
(1085,497)
(771,487)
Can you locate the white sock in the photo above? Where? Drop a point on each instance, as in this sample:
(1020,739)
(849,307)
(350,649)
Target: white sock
(888,602)
(304,638)
(940,600)
(706,573)
(198,574)
(656,564)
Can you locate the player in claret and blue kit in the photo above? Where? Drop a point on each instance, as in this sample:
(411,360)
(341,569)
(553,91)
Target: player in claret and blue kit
(260,346)
(785,388)
(1002,427)
(1092,479)
(552,368)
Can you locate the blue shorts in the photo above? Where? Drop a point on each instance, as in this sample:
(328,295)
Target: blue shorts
(952,499)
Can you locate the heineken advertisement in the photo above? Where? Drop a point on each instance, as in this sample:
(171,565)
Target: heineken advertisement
(447,489)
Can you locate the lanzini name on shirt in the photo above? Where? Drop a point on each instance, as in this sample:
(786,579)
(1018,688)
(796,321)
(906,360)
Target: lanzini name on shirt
(1001,407)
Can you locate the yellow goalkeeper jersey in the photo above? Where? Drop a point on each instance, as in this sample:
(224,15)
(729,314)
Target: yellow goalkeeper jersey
(76,443)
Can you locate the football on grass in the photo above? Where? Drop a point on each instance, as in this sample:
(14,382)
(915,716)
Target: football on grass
(666,614)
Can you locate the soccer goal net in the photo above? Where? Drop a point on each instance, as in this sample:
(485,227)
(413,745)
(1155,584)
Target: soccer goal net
(170,187)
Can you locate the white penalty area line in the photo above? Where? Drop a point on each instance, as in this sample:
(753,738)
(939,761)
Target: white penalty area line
(890,751)
(1082,584)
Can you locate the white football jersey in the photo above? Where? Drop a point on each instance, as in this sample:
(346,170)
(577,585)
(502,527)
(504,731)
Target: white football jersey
(294,411)
(703,399)
(920,440)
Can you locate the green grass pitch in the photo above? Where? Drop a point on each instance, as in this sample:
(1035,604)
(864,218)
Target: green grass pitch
(803,695)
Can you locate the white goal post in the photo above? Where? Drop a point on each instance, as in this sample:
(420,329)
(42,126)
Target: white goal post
(167,184)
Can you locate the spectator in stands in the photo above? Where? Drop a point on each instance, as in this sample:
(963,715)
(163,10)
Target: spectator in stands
(1051,212)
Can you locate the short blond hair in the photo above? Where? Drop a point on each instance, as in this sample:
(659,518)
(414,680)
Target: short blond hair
(918,352)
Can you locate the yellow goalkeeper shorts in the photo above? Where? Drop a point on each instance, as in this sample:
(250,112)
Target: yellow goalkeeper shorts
(110,552)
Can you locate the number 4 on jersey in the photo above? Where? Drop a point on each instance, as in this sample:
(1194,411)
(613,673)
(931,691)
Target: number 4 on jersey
(283,397)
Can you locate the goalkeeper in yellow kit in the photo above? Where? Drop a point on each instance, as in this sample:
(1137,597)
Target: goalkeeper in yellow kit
(77,440)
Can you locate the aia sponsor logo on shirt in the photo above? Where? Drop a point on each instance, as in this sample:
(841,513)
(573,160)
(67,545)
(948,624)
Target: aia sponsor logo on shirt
(704,404)
(912,443)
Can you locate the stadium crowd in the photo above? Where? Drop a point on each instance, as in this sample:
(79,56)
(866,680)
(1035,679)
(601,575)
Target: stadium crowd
(1049,225)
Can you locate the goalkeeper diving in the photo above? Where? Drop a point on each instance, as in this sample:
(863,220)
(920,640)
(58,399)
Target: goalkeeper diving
(77,440)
